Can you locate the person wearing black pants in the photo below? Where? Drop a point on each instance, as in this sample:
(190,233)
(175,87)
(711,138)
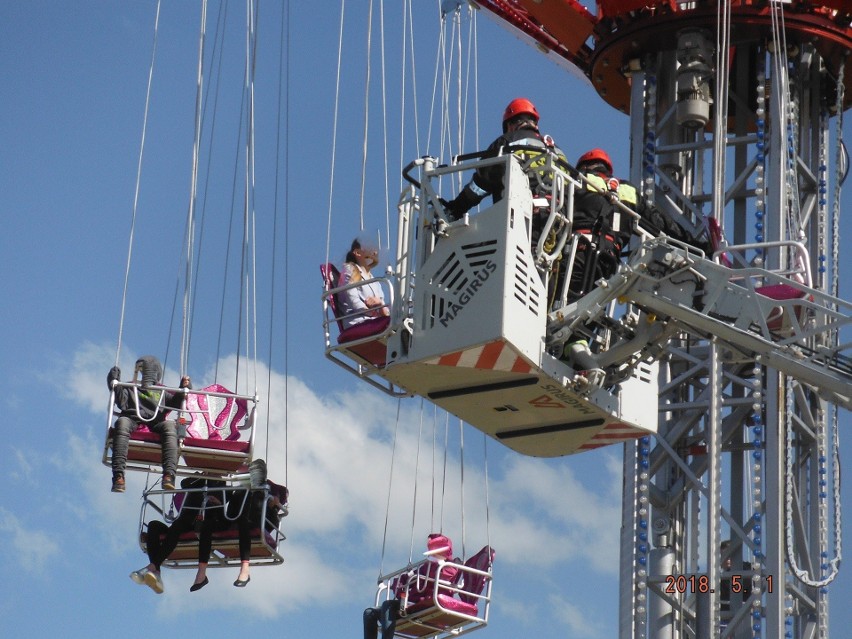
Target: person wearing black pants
(195,514)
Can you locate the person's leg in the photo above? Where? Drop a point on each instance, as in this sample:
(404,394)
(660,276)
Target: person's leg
(167,430)
(578,272)
(157,550)
(184,523)
(205,545)
(154,542)
(388,614)
(371,621)
(244,527)
(122,429)
(152,547)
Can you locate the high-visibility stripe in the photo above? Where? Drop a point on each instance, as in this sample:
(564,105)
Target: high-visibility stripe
(451,359)
(497,356)
(488,356)
(612,434)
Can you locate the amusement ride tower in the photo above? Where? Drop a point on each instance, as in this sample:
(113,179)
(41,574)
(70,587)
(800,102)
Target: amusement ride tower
(731,513)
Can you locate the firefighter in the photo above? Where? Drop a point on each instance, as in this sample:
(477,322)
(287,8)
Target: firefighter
(520,129)
(603,228)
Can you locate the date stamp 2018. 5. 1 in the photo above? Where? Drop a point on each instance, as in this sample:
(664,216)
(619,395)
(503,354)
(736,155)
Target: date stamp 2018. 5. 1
(700,584)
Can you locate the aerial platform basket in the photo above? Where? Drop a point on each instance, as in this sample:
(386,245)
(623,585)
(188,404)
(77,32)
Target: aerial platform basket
(468,326)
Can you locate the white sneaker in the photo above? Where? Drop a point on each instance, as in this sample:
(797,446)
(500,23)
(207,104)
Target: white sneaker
(138,576)
(153,581)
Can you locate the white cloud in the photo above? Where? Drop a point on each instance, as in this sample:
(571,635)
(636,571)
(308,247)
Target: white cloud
(24,468)
(33,549)
(546,506)
(334,452)
(580,622)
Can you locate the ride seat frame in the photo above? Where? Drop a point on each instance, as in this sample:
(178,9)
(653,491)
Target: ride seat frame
(449,608)
(158,503)
(214,458)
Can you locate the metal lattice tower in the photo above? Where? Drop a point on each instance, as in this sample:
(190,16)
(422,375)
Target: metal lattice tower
(730,427)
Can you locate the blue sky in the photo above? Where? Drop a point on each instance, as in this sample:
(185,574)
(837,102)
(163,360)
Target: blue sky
(71,121)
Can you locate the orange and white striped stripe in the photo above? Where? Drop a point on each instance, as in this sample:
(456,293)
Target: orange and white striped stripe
(497,356)
(616,433)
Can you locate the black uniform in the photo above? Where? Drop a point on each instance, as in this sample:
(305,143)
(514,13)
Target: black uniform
(489,180)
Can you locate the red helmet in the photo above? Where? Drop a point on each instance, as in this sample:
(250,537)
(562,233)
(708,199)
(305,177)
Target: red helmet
(595,155)
(519,106)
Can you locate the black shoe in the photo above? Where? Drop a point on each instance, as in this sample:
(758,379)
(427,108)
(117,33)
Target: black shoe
(118,483)
(239,583)
(199,585)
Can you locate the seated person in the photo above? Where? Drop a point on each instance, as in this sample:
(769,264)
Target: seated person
(360,303)
(248,509)
(421,587)
(151,411)
(195,514)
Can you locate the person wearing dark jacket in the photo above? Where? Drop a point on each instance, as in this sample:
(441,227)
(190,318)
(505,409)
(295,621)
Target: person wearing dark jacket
(520,129)
(604,228)
(138,405)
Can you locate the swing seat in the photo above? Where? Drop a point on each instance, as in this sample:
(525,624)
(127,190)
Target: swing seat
(786,318)
(435,607)
(368,328)
(218,437)
(361,348)
(364,339)
(431,617)
(781,318)
(214,440)
(144,447)
(225,549)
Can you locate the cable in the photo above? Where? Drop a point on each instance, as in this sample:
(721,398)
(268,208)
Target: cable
(368,71)
(334,129)
(190,218)
(390,484)
(138,183)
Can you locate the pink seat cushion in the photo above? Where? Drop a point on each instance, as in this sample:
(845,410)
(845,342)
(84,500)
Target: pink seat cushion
(373,351)
(780,292)
(217,444)
(364,329)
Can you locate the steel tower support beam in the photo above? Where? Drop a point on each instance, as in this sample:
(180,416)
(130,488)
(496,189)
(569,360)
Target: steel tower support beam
(740,451)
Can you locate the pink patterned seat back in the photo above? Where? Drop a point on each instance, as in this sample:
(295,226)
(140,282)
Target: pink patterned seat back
(216,418)
(473,584)
(330,279)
